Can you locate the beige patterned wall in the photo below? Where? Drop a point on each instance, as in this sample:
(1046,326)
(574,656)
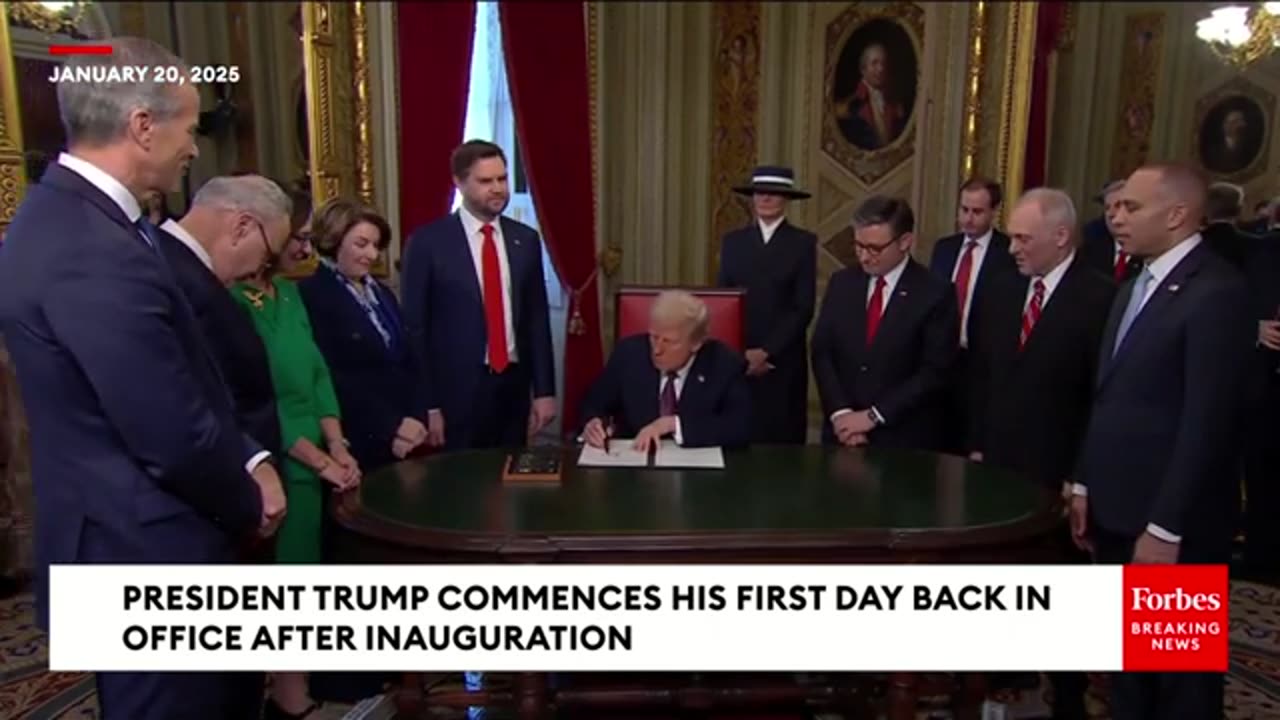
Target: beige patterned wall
(1113,74)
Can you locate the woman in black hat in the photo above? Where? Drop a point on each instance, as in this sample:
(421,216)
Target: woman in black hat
(776,262)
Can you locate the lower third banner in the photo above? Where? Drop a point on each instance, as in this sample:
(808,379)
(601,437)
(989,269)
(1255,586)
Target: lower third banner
(638,618)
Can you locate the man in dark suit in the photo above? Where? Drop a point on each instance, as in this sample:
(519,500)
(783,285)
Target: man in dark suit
(1223,206)
(675,383)
(971,260)
(885,342)
(235,225)
(1033,364)
(1153,483)
(135,449)
(475,309)
(776,262)
(1099,250)
(1262,458)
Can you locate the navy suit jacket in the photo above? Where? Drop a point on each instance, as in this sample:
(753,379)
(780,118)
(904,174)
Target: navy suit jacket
(135,453)
(996,263)
(444,315)
(904,372)
(377,385)
(714,404)
(780,280)
(1162,440)
(231,337)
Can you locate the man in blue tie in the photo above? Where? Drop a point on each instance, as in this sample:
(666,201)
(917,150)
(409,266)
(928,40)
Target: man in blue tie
(1155,482)
(136,456)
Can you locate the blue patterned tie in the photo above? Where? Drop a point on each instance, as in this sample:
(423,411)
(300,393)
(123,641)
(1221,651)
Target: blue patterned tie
(148,232)
(1135,306)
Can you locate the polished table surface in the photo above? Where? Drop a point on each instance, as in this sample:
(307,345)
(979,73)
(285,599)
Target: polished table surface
(768,496)
(769,504)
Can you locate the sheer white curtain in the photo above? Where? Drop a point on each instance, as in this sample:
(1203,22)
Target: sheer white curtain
(491,117)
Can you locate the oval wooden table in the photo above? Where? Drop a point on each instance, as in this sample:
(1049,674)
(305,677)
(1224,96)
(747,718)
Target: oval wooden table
(769,504)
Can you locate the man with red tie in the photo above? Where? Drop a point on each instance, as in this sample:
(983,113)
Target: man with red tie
(1100,249)
(970,260)
(1033,364)
(475,308)
(885,341)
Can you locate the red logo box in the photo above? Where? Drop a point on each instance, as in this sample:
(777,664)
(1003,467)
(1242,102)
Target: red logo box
(1175,618)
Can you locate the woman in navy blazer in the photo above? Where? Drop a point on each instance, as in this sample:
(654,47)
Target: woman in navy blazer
(357,326)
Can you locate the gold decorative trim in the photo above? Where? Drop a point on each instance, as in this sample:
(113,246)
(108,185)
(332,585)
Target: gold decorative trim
(609,255)
(12,167)
(364,152)
(970,143)
(1070,16)
(869,166)
(1264,104)
(735,115)
(1015,100)
(1143,48)
(35,16)
(317,52)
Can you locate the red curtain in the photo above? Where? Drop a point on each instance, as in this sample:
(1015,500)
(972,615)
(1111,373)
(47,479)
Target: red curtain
(1050,22)
(546,51)
(434,43)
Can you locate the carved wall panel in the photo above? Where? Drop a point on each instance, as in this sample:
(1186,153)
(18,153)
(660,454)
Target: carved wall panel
(736,109)
(1139,73)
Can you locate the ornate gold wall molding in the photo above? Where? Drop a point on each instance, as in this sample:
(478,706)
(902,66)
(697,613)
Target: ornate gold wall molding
(12,170)
(735,118)
(1139,77)
(338,117)
(1008,29)
(973,87)
(1015,99)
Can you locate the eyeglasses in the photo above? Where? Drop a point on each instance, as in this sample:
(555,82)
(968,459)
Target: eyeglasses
(873,250)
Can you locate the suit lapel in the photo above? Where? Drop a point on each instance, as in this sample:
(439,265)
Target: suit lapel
(64,179)
(515,255)
(860,312)
(649,390)
(460,249)
(895,304)
(1165,295)
(358,317)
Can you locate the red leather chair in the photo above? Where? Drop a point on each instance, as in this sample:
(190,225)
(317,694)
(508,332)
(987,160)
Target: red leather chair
(724,305)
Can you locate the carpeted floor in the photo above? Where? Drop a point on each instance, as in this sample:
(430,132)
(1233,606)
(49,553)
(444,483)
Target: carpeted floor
(29,692)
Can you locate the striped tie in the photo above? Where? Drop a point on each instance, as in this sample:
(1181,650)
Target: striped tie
(1031,315)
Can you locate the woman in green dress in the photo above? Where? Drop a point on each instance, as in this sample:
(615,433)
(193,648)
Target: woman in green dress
(318,455)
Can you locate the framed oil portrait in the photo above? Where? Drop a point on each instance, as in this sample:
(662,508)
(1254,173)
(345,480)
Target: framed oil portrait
(1233,130)
(872,82)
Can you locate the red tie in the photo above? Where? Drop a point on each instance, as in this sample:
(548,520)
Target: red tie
(875,309)
(1031,315)
(494,318)
(963,271)
(1122,263)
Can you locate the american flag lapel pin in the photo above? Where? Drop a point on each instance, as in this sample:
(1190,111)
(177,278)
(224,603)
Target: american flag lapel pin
(1174,288)
(702,378)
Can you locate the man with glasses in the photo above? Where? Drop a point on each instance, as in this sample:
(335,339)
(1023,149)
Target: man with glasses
(236,226)
(885,341)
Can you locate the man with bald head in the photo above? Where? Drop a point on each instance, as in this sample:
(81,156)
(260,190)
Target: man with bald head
(1155,482)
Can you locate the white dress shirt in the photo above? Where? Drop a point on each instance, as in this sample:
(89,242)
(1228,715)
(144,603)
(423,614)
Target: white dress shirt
(768,229)
(121,196)
(681,375)
(979,254)
(891,279)
(475,240)
(1050,280)
(1159,269)
(175,229)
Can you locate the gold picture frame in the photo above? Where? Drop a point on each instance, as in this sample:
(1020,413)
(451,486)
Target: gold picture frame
(1243,110)
(339,116)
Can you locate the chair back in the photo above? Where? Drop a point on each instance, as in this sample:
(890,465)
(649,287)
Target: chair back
(724,306)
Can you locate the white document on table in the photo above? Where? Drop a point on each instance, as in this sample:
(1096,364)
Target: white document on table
(672,455)
(620,453)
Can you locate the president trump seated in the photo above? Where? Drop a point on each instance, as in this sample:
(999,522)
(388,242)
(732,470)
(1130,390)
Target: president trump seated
(675,383)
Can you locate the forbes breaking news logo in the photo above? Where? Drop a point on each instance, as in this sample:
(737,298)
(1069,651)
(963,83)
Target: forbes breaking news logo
(1175,618)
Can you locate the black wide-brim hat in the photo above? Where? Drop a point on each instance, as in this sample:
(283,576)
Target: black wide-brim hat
(773,179)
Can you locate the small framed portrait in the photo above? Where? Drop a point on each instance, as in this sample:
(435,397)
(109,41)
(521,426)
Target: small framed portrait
(872,82)
(1232,131)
